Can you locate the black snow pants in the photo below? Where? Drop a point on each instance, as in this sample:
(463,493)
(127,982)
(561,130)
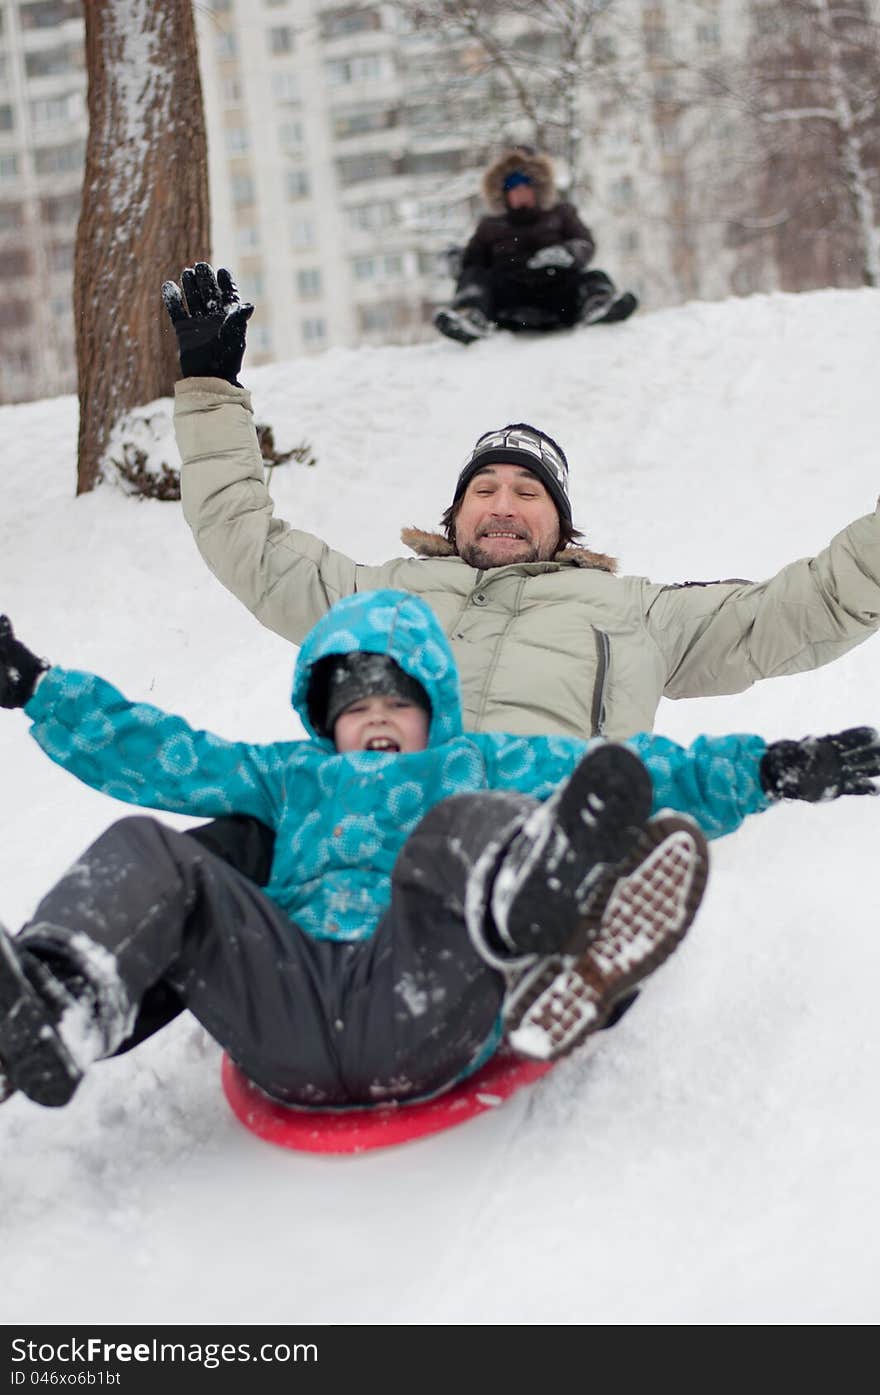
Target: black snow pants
(517,298)
(398,1015)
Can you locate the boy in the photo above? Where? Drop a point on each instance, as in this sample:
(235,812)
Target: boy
(429,889)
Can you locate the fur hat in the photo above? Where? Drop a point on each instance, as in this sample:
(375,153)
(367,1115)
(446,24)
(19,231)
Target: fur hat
(521,444)
(523,160)
(341,679)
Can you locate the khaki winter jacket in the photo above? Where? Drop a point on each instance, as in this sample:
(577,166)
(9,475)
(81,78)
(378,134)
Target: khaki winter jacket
(563,646)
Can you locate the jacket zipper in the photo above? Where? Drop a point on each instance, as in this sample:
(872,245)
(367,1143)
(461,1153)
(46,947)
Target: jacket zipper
(603,654)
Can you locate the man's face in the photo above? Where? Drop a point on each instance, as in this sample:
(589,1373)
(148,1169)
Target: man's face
(521,196)
(506,515)
(381,723)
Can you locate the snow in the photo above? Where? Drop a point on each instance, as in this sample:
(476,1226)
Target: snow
(710,1160)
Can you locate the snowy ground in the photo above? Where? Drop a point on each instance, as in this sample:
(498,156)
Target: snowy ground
(713,1159)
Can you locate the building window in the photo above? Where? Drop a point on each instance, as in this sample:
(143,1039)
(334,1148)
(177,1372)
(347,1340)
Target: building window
(384,316)
(61,255)
(14,262)
(253,285)
(308,283)
(285,87)
(355,169)
(10,217)
(368,217)
(225,45)
(15,313)
(247,236)
(53,111)
(357,123)
(290,134)
(230,89)
(280,39)
(47,62)
(302,233)
(242,188)
(349,19)
(60,212)
(259,338)
(8,166)
(46,14)
(238,140)
(373,268)
(622,190)
(630,241)
(314,331)
(709,34)
(59,159)
(362,67)
(297,184)
(7,118)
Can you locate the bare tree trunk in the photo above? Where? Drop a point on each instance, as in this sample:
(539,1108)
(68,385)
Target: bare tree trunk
(145,212)
(856,177)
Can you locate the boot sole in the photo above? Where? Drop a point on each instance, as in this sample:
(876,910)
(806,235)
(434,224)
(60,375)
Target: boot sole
(630,933)
(33,1058)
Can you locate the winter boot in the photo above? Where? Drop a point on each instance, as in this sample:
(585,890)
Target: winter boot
(620,309)
(629,930)
(555,864)
(33,1001)
(465,325)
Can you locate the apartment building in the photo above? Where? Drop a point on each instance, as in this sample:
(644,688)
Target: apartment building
(324,184)
(43,128)
(342,169)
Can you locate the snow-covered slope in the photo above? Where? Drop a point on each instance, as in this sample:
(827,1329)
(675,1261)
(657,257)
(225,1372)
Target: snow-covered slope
(713,1159)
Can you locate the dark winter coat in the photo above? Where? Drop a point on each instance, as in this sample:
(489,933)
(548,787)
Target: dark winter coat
(506,239)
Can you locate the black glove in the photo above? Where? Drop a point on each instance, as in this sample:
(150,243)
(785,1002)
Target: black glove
(211,325)
(19,668)
(822,767)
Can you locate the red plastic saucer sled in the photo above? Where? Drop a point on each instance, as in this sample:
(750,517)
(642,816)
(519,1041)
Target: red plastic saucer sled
(379,1126)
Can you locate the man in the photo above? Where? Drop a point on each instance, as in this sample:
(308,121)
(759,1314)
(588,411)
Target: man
(525,266)
(548,639)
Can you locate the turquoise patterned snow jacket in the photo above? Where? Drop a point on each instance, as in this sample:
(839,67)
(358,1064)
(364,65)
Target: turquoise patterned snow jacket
(341,820)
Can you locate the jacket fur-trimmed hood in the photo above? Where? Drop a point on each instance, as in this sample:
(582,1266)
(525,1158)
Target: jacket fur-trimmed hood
(538,167)
(426,544)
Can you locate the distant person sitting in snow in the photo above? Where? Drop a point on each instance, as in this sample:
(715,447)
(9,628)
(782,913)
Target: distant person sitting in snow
(430,891)
(525,267)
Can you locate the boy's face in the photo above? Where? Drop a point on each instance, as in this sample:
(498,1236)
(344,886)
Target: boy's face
(381,723)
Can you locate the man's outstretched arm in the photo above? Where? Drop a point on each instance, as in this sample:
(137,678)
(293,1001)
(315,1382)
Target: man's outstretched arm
(287,578)
(722,637)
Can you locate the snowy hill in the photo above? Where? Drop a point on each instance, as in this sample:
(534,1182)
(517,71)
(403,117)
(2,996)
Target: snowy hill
(711,1160)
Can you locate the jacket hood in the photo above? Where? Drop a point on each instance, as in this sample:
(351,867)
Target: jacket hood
(403,628)
(538,167)
(426,544)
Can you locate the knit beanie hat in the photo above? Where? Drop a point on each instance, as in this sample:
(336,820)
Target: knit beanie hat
(341,679)
(521,444)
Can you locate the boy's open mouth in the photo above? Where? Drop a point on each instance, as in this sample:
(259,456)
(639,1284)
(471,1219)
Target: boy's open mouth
(382,743)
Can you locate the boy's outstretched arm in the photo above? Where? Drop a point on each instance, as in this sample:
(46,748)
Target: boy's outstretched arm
(720,780)
(133,751)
